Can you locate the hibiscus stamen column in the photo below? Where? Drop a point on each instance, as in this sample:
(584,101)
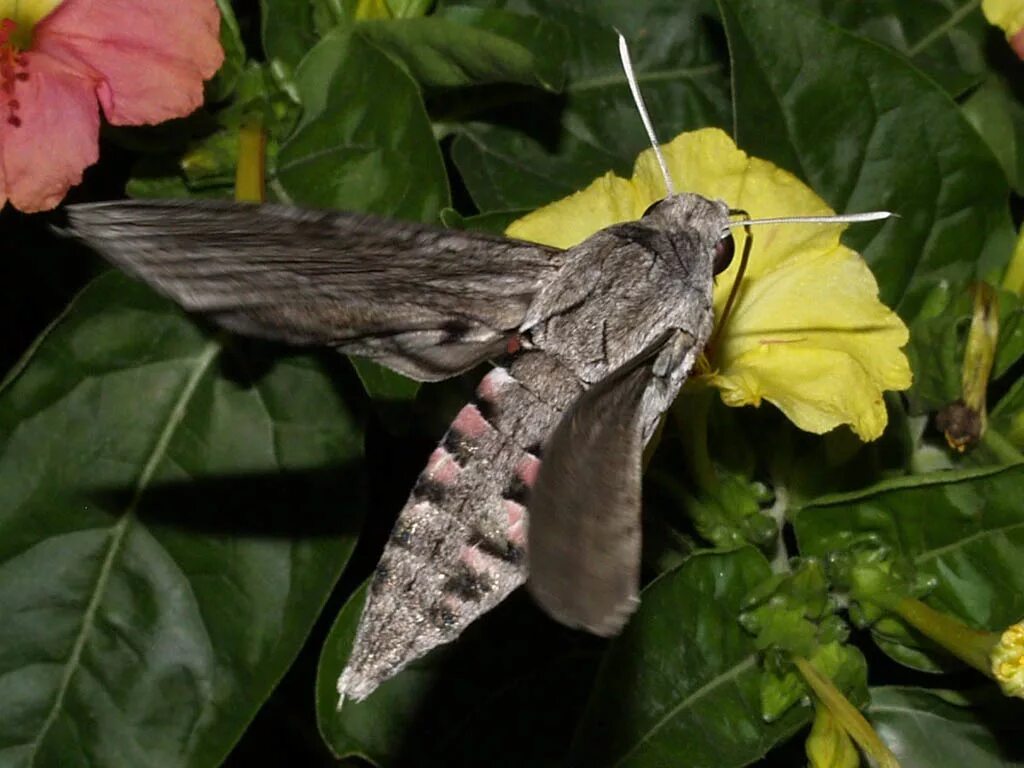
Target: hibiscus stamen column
(12,70)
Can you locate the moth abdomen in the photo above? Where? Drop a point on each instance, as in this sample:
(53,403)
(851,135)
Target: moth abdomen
(459,545)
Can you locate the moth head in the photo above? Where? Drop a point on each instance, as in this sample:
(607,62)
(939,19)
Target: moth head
(708,219)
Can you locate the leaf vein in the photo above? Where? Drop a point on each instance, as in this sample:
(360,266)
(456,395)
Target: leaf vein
(117,537)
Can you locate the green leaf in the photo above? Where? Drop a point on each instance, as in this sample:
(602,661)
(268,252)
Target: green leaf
(495,222)
(455,706)
(845,129)
(289,29)
(545,147)
(941,728)
(999,118)
(939,335)
(1007,418)
(407,9)
(943,38)
(470,46)
(383,384)
(364,142)
(224,82)
(173,514)
(681,685)
(964,528)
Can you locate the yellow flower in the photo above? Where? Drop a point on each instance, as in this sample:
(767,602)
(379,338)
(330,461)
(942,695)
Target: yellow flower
(1013,280)
(829,745)
(807,332)
(1008,15)
(1008,661)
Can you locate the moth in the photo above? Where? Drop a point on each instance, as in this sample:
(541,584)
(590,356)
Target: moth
(594,343)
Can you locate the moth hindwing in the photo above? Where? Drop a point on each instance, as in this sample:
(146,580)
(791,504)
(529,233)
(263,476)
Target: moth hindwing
(605,332)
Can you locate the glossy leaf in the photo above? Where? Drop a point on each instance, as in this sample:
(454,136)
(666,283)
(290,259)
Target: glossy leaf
(234,55)
(944,38)
(835,109)
(290,28)
(473,46)
(938,339)
(999,118)
(380,158)
(547,147)
(943,729)
(681,685)
(965,529)
(173,514)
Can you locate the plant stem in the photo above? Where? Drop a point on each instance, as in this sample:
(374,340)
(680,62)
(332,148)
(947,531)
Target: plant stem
(847,715)
(693,432)
(970,645)
(250,171)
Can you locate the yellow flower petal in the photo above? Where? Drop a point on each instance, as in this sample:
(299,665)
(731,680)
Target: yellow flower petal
(608,200)
(807,332)
(1013,280)
(1008,15)
(828,745)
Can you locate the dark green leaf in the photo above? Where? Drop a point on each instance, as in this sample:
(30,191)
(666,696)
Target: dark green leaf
(681,685)
(289,31)
(383,384)
(495,221)
(224,82)
(941,729)
(944,38)
(836,110)
(999,118)
(547,147)
(173,514)
(964,528)
(379,156)
(470,46)
(938,337)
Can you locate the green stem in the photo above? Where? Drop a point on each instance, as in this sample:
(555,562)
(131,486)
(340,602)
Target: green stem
(690,413)
(1001,447)
(847,715)
(250,171)
(970,645)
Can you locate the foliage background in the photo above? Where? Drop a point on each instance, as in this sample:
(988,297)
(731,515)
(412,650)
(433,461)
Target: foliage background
(186,518)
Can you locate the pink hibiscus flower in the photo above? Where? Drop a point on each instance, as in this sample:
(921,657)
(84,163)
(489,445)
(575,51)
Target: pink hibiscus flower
(144,61)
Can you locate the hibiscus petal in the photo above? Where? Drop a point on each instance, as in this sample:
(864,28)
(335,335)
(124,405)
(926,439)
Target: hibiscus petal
(57,137)
(151,56)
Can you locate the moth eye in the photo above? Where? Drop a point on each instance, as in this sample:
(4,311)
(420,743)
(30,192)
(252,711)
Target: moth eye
(652,206)
(724,250)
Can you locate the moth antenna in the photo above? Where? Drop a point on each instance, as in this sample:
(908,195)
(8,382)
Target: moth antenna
(846,218)
(638,99)
(747,223)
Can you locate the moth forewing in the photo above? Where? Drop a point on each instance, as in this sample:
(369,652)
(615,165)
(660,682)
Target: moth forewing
(425,301)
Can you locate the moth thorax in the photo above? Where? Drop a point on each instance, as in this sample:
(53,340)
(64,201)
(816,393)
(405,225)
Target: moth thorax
(707,218)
